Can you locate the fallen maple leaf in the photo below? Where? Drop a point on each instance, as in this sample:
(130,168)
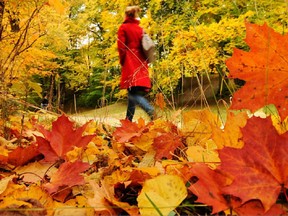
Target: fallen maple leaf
(263,68)
(255,207)
(21,156)
(140,176)
(208,155)
(231,135)
(35,172)
(3,159)
(197,126)
(68,175)
(208,187)
(129,130)
(165,191)
(61,139)
(166,144)
(22,199)
(108,191)
(99,202)
(160,101)
(259,169)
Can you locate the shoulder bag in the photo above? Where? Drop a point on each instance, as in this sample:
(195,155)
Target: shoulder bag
(148,48)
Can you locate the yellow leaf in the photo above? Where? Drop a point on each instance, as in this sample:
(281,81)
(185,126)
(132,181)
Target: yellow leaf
(57,5)
(280,126)
(4,183)
(206,154)
(165,191)
(20,196)
(197,126)
(144,142)
(148,159)
(152,171)
(74,154)
(231,136)
(33,172)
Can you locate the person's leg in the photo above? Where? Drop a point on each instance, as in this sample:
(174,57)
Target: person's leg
(131,107)
(144,104)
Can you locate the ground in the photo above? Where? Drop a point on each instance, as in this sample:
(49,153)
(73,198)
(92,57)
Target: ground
(111,114)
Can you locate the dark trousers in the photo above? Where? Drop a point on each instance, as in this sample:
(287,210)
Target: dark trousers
(136,96)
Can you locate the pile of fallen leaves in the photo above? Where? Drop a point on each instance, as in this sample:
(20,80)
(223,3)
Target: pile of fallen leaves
(157,168)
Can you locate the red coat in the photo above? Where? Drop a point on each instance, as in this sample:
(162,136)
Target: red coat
(134,66)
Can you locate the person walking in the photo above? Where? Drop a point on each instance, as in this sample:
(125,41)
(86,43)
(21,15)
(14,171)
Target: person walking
(134,67)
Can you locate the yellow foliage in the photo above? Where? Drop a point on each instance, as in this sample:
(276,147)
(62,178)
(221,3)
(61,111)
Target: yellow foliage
(57,5)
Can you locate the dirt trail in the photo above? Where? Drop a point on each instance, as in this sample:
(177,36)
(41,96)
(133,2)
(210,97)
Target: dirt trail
(107,120)
(110,115)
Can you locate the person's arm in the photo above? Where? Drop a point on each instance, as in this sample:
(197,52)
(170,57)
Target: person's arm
(121,43)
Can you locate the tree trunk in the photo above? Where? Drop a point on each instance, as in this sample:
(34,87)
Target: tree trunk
(2,7)
(58,105)
(51,92)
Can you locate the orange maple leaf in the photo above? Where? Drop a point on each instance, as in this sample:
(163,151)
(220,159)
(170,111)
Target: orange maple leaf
(21,156)
(68,175)
(255,207)
(165,145)
(129,130)
(260,168)
(263,68)
(3,159)
(61,139)
(231,135)
(107,193)
(208,187)
(160,101)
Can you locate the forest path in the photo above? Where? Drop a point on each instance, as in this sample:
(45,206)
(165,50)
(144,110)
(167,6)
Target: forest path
(110,115)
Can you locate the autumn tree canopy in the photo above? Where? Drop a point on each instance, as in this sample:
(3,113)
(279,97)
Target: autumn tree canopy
(69,47)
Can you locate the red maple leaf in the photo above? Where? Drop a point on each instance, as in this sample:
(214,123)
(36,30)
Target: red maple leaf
(255,207)
(264,70)
(3,159)
(21,156)
(139,176)
(208,187)
(68,175)
(260,168)
(165,144)
(61,139)
(129,130)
